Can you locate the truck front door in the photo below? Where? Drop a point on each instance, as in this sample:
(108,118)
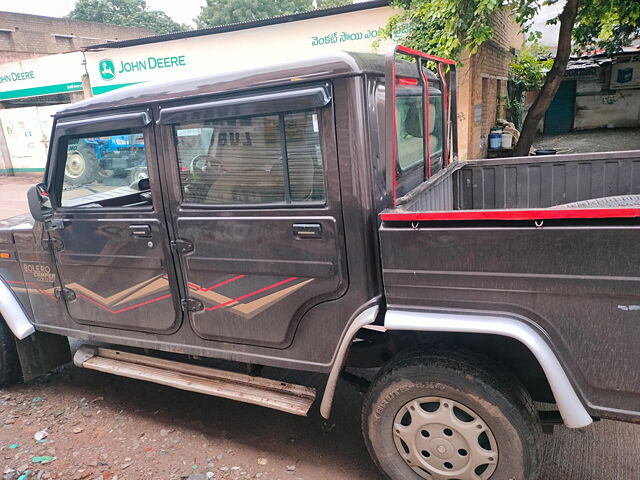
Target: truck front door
(111,244)
(256,211)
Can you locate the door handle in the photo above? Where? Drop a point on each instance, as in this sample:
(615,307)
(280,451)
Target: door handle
(140,231)
(307,230)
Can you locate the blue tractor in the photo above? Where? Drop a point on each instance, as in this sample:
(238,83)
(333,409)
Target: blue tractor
(110,156)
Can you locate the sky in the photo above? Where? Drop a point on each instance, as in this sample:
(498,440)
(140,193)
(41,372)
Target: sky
(549,32)
(182,11)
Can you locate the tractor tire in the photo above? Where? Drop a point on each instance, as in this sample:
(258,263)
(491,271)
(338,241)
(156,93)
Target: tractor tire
(9,362)
(81,167)
(451,415)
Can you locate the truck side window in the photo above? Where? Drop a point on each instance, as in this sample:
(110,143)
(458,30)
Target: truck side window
(306,172)
(409,128)
(105,169)
(435,125)
(410,133)
(243,161)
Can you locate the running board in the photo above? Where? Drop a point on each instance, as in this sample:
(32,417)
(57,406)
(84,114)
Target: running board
(287,397)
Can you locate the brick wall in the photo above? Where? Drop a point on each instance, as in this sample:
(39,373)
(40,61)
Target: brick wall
(25,36)
(482,82)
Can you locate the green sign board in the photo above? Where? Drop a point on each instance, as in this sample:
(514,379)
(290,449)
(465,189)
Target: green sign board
(43,90)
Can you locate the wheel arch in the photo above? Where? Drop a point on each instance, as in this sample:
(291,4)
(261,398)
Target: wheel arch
(13,313)
(572,409)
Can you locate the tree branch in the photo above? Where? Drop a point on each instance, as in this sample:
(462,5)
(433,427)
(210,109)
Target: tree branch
(553,80)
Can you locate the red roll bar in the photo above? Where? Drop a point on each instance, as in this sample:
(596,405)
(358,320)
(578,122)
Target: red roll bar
(447,80)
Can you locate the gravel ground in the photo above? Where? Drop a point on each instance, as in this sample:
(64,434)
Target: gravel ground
(102,427)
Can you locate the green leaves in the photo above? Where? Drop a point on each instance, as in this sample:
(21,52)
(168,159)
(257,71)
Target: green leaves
(607,24)
(129,13)
(447,27)
(527,72)
(224,12)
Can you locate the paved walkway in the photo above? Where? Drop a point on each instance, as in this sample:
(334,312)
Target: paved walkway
(585,141)
(13,194)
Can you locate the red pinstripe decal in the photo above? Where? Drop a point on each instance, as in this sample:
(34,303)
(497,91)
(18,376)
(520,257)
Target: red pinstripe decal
(514,214)
(115,312)
(198,287)
(34,286)
(291,279)
(147,302)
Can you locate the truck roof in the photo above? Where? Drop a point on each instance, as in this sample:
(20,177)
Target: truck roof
(303,69)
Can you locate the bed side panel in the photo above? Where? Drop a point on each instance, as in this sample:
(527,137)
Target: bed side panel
(579,282)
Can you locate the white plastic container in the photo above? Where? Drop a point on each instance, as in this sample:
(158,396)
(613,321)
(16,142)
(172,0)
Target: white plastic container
(507,140)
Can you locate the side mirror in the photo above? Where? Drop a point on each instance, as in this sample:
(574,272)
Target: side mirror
(143,184)
(40,203)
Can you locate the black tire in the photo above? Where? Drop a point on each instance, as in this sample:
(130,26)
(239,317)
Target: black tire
(9,363)
(457,378)
(86,156)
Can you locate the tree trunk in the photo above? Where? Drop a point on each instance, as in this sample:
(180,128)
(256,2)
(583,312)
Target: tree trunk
(552,82)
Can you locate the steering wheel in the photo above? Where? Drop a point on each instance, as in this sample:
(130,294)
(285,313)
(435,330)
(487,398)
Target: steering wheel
(200,164)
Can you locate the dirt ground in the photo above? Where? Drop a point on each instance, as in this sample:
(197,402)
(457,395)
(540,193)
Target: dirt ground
(584,141)
(102,427)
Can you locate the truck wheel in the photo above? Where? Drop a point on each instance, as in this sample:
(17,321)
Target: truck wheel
(9,363)
(445,417)
(81,166)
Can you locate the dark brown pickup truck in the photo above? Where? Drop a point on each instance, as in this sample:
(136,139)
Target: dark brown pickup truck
(313,216)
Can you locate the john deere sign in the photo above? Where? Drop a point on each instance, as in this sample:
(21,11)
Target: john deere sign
(152,63)
(107,70)
(41,76)
(114,67)
(16,76)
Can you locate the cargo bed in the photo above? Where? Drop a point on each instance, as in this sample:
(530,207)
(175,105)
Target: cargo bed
(478,189)
(506,236)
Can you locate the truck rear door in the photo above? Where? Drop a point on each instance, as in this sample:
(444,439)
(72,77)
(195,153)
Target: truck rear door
(256,213)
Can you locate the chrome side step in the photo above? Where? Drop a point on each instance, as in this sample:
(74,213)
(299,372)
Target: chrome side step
(287,397)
